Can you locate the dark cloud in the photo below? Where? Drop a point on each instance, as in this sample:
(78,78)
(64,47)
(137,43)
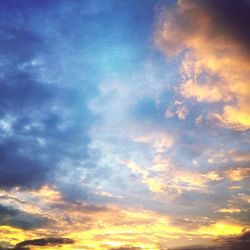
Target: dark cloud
(231,18)
(16,218)
(34,137)
(19,170)
(126,248)
(21,248)
(44,242)
(21,96)
(52,241)
(218,20)
(240,242)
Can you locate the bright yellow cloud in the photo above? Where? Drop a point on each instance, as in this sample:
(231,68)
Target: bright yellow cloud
(221,228)
(230,210)
(12,235)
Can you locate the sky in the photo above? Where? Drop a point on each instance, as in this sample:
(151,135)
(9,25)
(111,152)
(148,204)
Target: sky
(124,124)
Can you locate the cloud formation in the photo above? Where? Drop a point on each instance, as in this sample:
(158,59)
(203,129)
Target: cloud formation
(213,40)
(239,242)
(19,219)
(126,248)
(101,141)
(36,113)
(44,242)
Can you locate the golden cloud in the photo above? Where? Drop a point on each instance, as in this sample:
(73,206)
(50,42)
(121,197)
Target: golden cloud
(215,66)
(172,180)
(230,210)
(237,174)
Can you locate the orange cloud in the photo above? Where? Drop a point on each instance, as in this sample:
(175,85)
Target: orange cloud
(214,67)
(238,174)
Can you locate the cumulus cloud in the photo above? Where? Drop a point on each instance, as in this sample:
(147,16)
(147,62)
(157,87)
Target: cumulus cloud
(213,40)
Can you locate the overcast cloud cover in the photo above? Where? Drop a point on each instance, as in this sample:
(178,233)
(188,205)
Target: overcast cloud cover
(124,124)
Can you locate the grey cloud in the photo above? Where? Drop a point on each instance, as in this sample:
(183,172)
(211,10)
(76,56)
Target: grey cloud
(38,138)
(126,248)
(51,241)
(44,242)
(16,218)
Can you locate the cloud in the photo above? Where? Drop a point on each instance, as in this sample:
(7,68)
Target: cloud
(230,210)
(117,225)
(212,37)
(44,242)
(19,219)
(40,121)
(177,108)
(159,140)
(194,222)
(20,95)
(166,176)
(51,241)
(238,242)
(126,248)
(238,174)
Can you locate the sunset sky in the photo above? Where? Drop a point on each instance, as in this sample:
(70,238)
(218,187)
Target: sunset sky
(124,124)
